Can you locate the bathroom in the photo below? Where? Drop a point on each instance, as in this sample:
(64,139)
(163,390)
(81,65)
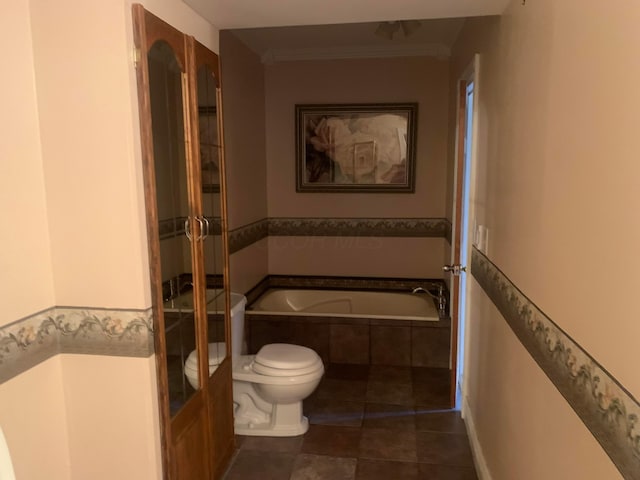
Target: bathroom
(85,407)
(388,245)
(279,237)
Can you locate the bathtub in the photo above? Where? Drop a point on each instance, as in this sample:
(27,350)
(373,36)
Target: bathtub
(346,304)
(185,301)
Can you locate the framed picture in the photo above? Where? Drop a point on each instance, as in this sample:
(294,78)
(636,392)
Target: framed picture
(356,148)
(209,149)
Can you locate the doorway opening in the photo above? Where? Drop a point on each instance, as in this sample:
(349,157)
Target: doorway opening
(462,215)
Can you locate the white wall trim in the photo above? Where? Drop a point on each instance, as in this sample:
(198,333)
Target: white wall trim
(333,53)
(482,469)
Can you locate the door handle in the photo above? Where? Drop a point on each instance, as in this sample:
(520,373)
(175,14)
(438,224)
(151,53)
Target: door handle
(454,269)
(187,229)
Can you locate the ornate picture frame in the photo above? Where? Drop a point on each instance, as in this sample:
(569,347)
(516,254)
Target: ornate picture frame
(356,147)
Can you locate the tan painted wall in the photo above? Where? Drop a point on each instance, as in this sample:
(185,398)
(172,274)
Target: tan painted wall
(34,420)
(72,195)
(527,430)
(422,80)
(557,185)
(243,93)
(25,260)
(113,425)
(357,256)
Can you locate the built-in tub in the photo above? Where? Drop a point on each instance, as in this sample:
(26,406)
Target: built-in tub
(346,304)
(185,301)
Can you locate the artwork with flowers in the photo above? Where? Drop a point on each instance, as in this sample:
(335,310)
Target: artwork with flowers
(356,148)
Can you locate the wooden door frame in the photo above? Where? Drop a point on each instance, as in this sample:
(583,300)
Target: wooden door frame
(147,29)
(469,75)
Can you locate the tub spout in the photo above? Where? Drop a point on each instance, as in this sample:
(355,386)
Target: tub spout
(441,298)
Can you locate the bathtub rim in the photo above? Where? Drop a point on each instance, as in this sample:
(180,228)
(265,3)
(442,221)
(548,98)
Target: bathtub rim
(350,316)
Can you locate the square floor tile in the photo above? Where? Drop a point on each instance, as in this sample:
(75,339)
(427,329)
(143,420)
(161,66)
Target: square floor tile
(445,472)
(320,467)
(350,390)
(444,449)
(331,411)
(391,393)
(394,417)
(386,444)
(390,374)
(386,470)
(330,440)
(250,464)
(439,421)
(272,444)
(430,376)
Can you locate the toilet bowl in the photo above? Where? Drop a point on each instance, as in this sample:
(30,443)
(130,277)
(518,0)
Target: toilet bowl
(268,387)
(217,352)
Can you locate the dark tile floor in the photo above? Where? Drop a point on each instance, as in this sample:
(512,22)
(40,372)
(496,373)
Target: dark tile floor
(367,423)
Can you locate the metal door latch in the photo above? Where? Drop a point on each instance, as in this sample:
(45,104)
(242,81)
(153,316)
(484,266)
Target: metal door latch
(454,269)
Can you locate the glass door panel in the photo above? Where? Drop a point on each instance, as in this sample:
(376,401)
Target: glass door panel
(172,199)
(210,157)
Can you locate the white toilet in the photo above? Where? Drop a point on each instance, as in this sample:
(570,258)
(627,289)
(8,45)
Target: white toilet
(268,388)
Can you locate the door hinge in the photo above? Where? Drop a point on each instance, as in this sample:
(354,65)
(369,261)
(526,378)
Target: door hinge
(137,55)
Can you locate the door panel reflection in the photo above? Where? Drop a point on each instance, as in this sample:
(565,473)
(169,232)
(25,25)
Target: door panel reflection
(172,197)
(210,155)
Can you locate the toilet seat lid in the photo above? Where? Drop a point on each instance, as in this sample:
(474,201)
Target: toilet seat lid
(217,353)
(282,356)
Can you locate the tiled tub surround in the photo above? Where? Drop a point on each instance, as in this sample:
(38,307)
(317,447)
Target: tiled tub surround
(33,339)
(609,411)
(361,341)
(338,227)
(353,340)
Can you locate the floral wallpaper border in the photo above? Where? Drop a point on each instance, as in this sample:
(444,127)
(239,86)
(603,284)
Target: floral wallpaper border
(33,339)
(608,410)
(338,227)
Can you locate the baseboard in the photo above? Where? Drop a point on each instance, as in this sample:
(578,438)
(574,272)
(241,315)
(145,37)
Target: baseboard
(478,456)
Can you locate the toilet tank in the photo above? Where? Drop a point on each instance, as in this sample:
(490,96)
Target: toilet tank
(238,345)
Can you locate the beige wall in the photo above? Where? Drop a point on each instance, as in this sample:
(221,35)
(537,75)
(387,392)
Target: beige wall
(556,171)
(527,430)
(34,419)
(244,123)
(357,256)
(72,195)
(25,259)
(410,79)
(112,424)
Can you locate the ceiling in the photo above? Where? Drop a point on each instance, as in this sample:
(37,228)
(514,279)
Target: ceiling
(348,40)
(227,14)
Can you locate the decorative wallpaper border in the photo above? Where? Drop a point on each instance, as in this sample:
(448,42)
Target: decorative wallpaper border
(248,234)
(33,339)
(608,410)
(338,227)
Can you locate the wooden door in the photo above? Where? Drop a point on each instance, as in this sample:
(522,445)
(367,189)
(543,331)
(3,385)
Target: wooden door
(211,200)
(173,231)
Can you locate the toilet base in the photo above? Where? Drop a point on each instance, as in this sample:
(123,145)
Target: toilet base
(254,416)
(268,430)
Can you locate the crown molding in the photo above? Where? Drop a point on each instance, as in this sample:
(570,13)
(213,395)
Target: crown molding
(337,53)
